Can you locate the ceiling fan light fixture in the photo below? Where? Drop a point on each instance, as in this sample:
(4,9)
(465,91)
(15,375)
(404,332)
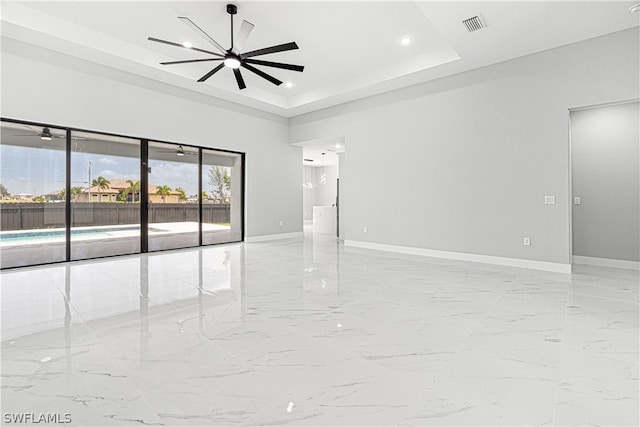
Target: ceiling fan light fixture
(288,84)
(234,57)
(232,62)
(180,151)
(46,135)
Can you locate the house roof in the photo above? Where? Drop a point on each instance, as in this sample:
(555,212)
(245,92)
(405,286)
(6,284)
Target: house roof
(116,185)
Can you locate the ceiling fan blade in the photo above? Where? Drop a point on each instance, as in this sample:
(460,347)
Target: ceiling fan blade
(243,35)
(189,23)
(239,78)
(30,134)
(272,49)
(191,60)
(276,64)
(262,74)
(153,39)
(211,73)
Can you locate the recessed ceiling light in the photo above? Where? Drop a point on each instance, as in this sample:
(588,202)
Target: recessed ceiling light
(188,45)
(405,41)
(635,8)
(288,84)
(338,145)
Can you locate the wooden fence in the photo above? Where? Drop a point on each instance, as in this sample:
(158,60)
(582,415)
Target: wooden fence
(30,216)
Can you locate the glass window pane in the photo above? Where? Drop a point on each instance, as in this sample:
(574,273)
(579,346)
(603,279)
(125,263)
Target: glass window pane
(173,196)
(222,197)
(32,208)
(105,195)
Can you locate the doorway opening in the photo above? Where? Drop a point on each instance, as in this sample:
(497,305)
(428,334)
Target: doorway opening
(605,185)
(322,160)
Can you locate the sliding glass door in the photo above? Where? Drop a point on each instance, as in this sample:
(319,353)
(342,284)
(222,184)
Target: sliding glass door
(69,194)
(173,196)
(32,184)
(105,195)
(221,197)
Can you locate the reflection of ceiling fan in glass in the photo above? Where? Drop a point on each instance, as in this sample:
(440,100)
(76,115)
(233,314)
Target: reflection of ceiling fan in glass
(46,135)
(180,152)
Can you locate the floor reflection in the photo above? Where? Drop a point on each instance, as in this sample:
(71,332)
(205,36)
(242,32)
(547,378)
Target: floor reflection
(308,332)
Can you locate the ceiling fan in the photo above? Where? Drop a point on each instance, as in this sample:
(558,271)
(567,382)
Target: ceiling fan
(178,152)
(46,135)
(233,57)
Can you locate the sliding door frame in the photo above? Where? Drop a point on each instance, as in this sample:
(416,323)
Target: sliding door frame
(144,188)
(144,196)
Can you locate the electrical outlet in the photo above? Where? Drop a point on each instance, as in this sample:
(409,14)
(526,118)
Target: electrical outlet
(281,223)
(549,200)
(576,200)
(365,229)
(526,241)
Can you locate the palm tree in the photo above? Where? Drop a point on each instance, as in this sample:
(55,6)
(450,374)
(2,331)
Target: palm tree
(75,191)
(163,191)
(102,183)
(62,194)
(183,195)
(134,188)
(4,192)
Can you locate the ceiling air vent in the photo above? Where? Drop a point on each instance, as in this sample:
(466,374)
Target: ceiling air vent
(473,24)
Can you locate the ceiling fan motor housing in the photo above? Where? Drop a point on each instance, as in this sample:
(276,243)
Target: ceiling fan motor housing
(232,9)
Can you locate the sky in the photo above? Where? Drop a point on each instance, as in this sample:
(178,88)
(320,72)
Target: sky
(40,171)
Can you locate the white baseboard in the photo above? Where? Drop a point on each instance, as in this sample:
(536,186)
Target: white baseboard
(269,237)
(606,262)
(461,256)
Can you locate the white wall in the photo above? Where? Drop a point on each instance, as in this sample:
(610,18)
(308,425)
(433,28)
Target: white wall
(605,145)
(319,194)
(308,192)
(327,192)
(43,86)
(474,153)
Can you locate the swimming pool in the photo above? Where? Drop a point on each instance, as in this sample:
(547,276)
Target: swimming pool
(60,233)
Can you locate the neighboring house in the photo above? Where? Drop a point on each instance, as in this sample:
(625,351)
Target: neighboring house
(53,196)
(24,196)
(116,186)
(95,194)
(173,197)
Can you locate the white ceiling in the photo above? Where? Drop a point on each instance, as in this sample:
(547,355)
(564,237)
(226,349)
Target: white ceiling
(321,152)
(349,49)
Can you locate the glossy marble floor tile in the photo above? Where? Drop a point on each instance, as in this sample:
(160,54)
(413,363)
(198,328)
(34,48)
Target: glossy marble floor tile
(308,332)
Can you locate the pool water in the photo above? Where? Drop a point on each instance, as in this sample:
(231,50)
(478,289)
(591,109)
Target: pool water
(60,234)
